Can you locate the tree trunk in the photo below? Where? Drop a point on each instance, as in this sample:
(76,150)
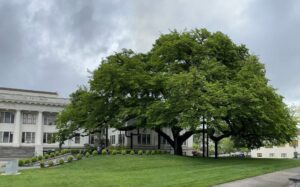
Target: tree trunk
(177,141)
(216,148)
(207,145)
(203,141)
(131,141)
(158,141)
(177,147)
(106,137)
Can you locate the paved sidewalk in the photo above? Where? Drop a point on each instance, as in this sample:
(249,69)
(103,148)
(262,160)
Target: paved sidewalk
(276,179)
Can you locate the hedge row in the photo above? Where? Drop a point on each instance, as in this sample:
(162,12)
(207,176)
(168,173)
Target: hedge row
(45,157)
(79,155)
(132,152)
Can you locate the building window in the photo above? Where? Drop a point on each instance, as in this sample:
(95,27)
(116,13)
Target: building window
(6,137)
(7,117)
(259,154)
(49,138)
(283,155)
(271,155)
(144,139)
(29,118)
(92,139)
(77,138)
(49,119)
(113,139)
(121,139)
(163,141)
(184,143)
(28,137)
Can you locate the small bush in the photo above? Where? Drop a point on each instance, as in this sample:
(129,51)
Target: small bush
(40,157)
(33,159)
(153,152)
(147,152)
(21,162)
(87,154)
(26,161)
(50,163)
(64,151)
(42,164)
(158,152)
(132,152)
(140,152)
(57,153)
(75,151)
(95,153)
(123,152)
(79,156)
(61,161)
(114,152)
(104,152)
(46,156)
(52,155)
(70,158)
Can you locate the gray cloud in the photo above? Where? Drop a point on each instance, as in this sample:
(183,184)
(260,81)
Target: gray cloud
(49,45)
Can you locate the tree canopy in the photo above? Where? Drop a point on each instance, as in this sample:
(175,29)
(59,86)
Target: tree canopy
(187,79)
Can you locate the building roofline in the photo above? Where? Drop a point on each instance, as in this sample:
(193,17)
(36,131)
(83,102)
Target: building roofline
(29,91)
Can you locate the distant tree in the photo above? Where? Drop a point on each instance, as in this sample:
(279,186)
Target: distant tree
(227,146)
(187,79)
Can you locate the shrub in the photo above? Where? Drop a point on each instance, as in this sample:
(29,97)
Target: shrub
(158,151)
(70,158)
(95,153)
(114,152)
(42,164)
(33,159)
(147,152)
(40,157)
(132,152)
(61,161)
(140,152)
(153,152)
(104,152)
(87,154)
(75,151)
(52,155)
(123,152)
(79,156)
(21,162)
(64,151)
(50,163)
(27,161)
(57,153)
(46,156)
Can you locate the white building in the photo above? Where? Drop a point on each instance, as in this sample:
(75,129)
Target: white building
(281,151)
(27,124)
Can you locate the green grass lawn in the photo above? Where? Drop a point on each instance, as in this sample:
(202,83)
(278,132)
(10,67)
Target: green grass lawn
(154,170)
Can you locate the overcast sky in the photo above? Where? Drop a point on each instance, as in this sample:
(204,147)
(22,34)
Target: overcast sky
(51,45)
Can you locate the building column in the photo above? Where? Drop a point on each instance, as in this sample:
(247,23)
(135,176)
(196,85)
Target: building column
(17,130)
(39,134)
